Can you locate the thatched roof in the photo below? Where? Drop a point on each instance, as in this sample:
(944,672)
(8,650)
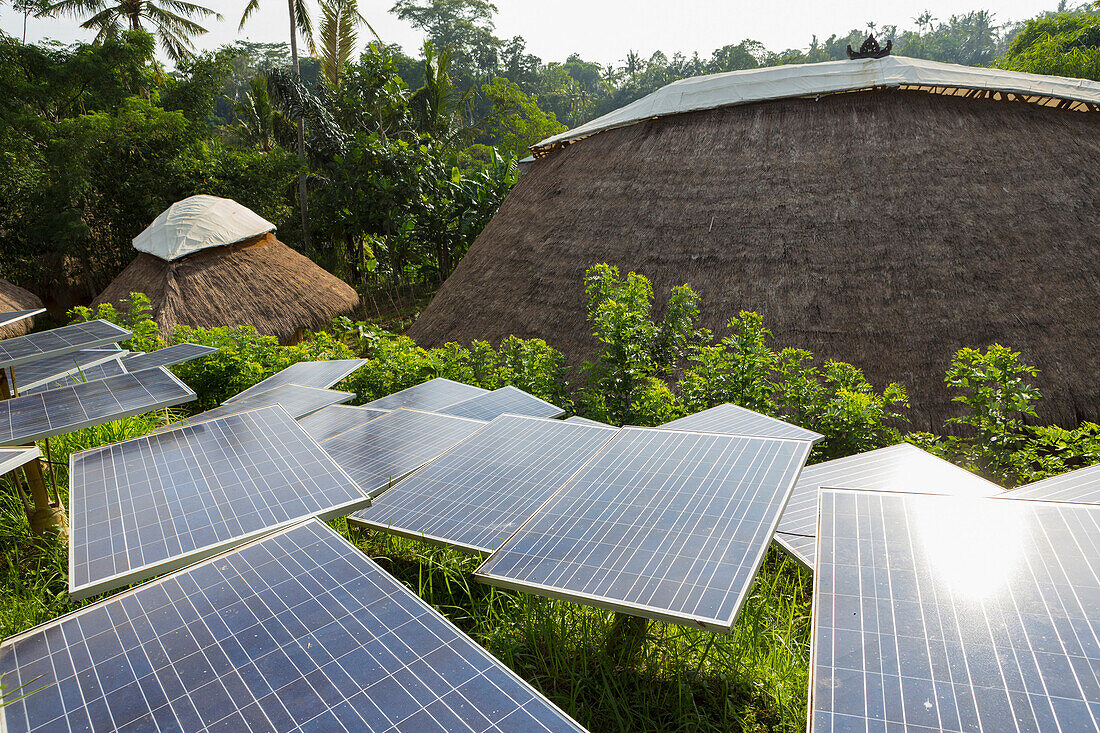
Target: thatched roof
(15,298)
(885,228)
(259,282)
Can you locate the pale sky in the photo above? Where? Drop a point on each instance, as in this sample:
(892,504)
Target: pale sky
(600,30)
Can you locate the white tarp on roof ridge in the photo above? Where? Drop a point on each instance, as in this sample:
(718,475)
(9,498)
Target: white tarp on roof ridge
(807,80)
(199,222)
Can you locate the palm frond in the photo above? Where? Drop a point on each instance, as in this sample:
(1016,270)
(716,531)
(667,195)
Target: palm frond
(252,7)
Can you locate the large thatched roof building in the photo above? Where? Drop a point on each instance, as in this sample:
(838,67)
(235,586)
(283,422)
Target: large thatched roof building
(882,212)
(15,298)
(210,262)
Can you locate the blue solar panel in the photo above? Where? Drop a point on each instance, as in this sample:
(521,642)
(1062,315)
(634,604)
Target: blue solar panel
(736,420)
(168,356)
(37,416)
(664,524)
(9,317)
(34,346)
(1082,486)
(383,451)
(29,377)
(430,395)
(585,421)
(299,401)
(111,368)
(941,613)
(297,631)
(335,419)
(149,505)
(13,458)
(477,494)
(320,374)
(504,401)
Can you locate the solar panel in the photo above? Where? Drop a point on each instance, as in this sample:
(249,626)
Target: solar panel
(477,494)
(9,317)
(295,631)
(388,448)
(111,368)
(430,395)
(33,346)
(585,421)
(335,419)
(1081,486)
(664,524)
(168,356)
(299,401)
(149,505)
(320,374)
(903,468)
(13,458)
(735,420)
(55,368)
(504,401)
(936,613)
(37,416)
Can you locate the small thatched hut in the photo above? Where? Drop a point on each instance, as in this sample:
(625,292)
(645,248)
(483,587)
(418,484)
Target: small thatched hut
(15,298)
(208,261)
(883,212)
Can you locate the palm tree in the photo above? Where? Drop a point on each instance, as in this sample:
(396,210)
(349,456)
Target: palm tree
(171,20)
(633,64)
(299,21)
(337,35)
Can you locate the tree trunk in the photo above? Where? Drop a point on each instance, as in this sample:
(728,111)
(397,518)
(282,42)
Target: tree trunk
(303,205)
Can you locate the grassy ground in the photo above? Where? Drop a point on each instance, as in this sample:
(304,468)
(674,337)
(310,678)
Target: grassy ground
(673,679)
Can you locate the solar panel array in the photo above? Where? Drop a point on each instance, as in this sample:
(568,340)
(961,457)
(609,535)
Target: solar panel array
(9,317)
(901,468)
(111,368)
(507,400)
(34,346)
(335,419)
(939,613)
(168,356)
(383,451)
(477,494)
(149,505)
(665,524)
(1081,486)
(299,401)
(320,374)
(736,420)
(431,395)
(55,368)
(13,458)
(585,421)
(296,631)
(37,416)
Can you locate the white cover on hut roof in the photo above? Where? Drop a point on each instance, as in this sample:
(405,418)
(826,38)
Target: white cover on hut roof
(830,77)
(199,222)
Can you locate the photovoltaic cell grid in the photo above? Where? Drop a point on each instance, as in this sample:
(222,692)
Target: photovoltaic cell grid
(585,421)
(936,613)
(149,505)
(735,420)
(900,468)
(111,368)
(665,524)
(320,374)
(431,395)
(506,400)
(295,631)
(383,451)
(54,368)
(13,458)
(1081,486)
(37,416)
(477,494)
(33,346)
(168,356)
(9,317)
(299,401)
(335,419)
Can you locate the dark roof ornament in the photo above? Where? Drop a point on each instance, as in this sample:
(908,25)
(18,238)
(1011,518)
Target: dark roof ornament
(870,49)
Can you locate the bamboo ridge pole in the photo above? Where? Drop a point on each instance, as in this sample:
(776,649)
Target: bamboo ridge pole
(43,514)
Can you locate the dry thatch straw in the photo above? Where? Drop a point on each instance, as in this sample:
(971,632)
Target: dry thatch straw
(259,282)
(884,228)
(15,298)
